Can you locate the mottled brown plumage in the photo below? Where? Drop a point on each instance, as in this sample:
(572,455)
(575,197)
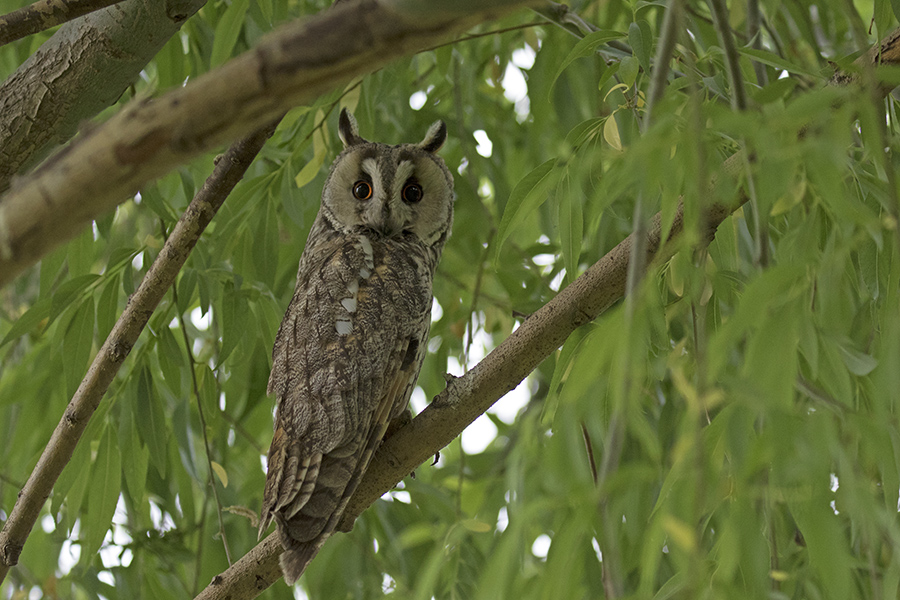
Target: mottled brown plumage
(352,341)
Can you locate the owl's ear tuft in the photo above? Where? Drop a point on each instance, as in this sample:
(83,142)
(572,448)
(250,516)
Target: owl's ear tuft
(348,129)
(435,138)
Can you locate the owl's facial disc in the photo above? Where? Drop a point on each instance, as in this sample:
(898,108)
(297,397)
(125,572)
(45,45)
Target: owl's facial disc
(404,197)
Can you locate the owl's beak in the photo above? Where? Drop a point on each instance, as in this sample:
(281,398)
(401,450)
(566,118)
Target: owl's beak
(387,221)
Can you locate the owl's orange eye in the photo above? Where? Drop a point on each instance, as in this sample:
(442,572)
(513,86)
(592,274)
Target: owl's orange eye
(362,190)
(412,193)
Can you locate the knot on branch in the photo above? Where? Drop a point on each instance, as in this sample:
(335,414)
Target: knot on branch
(9,554)
(118,351)
(71,417)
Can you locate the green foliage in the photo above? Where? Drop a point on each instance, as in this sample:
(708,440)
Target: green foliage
(737,438)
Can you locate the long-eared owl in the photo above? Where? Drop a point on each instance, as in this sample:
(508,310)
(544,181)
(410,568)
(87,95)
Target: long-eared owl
(352,341)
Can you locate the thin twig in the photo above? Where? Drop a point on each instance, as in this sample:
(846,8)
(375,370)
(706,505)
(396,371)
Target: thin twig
(732,59)
(753,21)
(664,50)
(192,363)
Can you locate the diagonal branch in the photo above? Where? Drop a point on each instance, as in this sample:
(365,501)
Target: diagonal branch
(147,138)
(45,14)
(228,171)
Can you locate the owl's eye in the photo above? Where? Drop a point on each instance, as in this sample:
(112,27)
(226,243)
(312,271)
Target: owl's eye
(362,190)
(412,193)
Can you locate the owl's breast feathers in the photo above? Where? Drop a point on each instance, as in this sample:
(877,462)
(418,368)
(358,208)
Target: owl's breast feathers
(345,362)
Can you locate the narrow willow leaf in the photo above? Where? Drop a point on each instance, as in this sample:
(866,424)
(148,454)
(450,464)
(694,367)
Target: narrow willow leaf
(527,196)
(103,493)
(51,265)
(564,358)
(773,60)
(571,226)
(67,293)
(611,132)
(80,255)
(585,47)
(234,317)
(857,362)
(472,524)
(265,246)
(151,420)
(135,456)
(311,169)
(220,473)
(77,344)
(152,197)
(640,38)
(70,486)
(170,63)
(227,31)
(629,67)
(171,359)
(107,308)
(39,311)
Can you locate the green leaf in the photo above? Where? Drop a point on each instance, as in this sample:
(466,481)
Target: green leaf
(206,380)
(81,253)
(585,47)
(265,246)
(51,265)
(773,60)
(776,90)
(151,420)
(640,37)
(171,359)
(107,308)
(227,31)
(527,196)
(39,311)
(153,199)
(571,227)
(220,473)
(135,456)
(103,494)
(67,293)
(234,319)
(77,344)
(857,362)
(629,67)
(70,485)
(311,169)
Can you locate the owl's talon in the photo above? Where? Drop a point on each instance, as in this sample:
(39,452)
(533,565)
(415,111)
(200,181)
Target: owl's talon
(437,457)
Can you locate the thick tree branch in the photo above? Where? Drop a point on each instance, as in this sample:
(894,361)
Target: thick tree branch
(148,138)
(82,69)
(228,171)
(45,14)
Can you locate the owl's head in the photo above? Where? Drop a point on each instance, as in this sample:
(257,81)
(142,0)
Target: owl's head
(390,191)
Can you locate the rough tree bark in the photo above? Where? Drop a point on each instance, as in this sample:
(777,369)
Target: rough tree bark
(45,14)
(43,103)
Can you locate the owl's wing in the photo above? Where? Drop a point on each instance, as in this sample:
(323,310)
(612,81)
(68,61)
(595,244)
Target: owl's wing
(299,550)
(337,393)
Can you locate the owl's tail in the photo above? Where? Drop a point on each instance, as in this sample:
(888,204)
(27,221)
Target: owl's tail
(297,556)
(322,513)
